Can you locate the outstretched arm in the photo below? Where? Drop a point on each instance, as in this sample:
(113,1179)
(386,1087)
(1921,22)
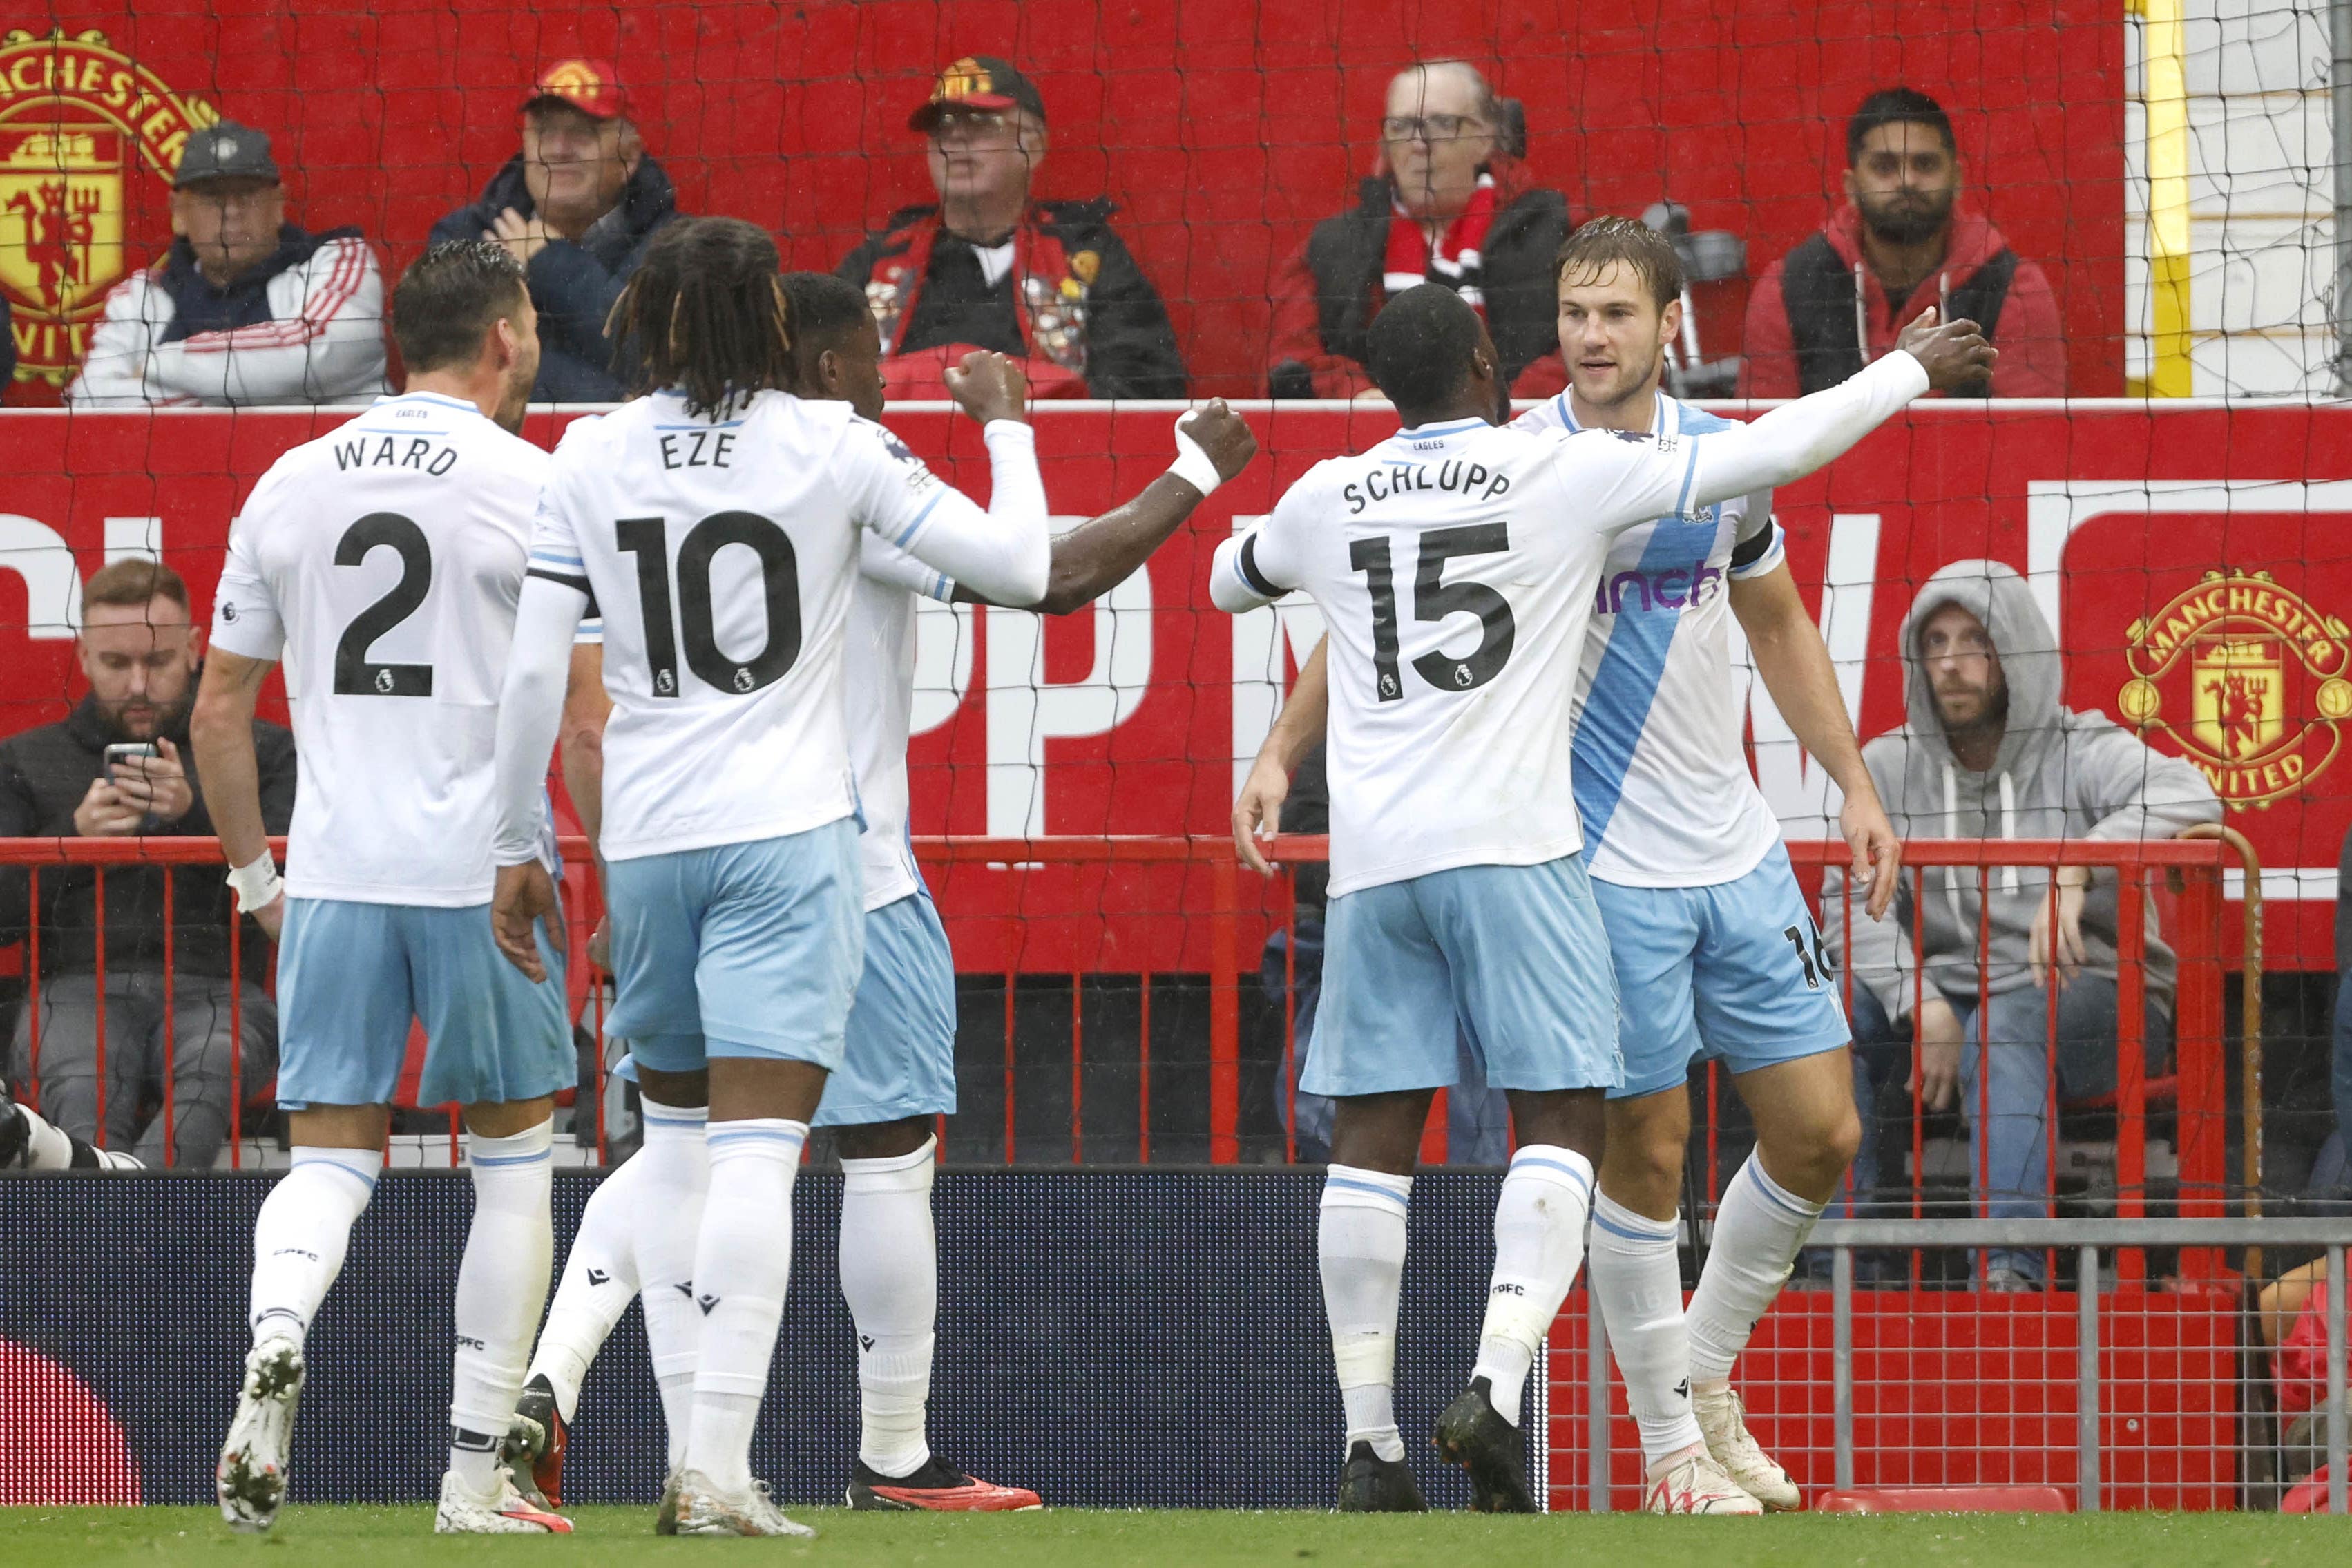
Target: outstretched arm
(1213,444)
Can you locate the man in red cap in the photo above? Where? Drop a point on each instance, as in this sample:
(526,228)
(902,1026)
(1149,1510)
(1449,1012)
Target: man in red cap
(987,268)
(576,206)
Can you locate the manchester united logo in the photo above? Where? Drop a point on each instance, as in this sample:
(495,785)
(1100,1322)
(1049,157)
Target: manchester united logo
(2249,680)
(76,120)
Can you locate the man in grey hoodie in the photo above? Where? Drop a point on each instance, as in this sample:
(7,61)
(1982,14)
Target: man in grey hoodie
(1988,752)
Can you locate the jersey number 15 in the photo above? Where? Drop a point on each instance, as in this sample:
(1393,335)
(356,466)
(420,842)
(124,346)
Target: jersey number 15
(1433,599)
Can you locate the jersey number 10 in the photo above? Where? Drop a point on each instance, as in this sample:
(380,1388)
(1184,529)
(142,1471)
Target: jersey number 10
(693,622)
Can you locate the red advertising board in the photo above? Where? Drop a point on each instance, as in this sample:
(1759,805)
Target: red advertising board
(2195,561)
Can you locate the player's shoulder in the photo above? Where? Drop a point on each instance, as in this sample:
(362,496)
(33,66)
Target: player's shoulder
(1689,419)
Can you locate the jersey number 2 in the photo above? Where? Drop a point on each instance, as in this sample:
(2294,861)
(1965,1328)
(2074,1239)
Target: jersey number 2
(1433,599)
(354,675)
(647,538)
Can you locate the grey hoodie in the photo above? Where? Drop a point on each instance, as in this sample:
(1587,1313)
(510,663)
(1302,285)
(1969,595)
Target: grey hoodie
(2058,774)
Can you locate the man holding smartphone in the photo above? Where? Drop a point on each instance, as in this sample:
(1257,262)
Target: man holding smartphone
(119,766)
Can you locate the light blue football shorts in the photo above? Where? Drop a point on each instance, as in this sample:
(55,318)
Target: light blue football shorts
(1515,952)
(900,1058)
(351,976)
(1737,971)
(737,950)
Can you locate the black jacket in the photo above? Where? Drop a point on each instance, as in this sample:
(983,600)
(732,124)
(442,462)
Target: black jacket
(1344,254)
(44,774)
(1131,346)
(574,286)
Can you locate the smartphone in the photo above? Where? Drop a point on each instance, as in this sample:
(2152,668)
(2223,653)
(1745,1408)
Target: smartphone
(131,752)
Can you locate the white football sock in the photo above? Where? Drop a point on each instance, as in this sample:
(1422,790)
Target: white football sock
(670,1193)
(1759,1230)
(890,1278)
(301,1235)
(600,1278)
(1639,1282)
(501,1290)
(1539,1246)
(742,1262)
(1359,1242)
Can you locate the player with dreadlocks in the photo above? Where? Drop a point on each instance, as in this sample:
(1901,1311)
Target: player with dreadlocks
(717,524)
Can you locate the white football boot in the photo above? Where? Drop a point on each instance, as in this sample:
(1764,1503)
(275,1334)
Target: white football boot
(704,1510)
(1722,1420)
(250,1479)
(505,1511)
(1695,1484)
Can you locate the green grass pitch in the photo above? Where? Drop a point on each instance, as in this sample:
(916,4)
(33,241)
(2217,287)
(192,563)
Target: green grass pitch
(359,1537)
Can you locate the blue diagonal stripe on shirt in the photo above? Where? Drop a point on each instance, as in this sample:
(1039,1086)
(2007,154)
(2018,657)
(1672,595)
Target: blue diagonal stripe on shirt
(1626,681)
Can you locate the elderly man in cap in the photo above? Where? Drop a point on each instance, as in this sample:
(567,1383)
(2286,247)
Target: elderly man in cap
(1449,201)
(577,207)
(988,267)
(245,307)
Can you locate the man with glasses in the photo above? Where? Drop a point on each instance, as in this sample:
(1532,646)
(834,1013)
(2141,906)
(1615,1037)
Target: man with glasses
(987,266)
(576,206)
(245,307)
(1449,201)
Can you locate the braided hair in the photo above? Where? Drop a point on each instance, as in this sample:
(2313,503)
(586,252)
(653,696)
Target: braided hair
(706,314)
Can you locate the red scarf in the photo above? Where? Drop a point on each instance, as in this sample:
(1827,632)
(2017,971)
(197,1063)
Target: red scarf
(1040,269)
(1458,262)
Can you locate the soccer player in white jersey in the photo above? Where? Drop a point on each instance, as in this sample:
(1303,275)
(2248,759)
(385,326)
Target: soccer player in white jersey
(717,524)
(898,1071)
(1456,565)
(1714,946)
(381,564)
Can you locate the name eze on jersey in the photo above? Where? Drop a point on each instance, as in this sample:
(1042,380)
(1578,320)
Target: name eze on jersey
(698,449)
(1466,478)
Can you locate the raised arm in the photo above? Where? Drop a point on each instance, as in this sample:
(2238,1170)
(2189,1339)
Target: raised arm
(1796,439)
(1004,552)
(1213,444)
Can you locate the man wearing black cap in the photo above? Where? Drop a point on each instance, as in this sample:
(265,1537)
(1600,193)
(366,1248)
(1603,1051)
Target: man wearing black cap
(577,207)
(987,268)
(245,307)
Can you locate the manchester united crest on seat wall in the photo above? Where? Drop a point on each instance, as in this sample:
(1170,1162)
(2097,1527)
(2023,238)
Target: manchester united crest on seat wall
(2249,680)
(78,122)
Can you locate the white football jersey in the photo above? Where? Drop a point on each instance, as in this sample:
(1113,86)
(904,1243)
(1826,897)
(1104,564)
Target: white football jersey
(1456,566)
(878,696)
(1662,777)
(382,563)
(721,556)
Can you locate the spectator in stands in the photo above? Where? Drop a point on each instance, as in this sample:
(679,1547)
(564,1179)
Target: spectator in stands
(1901,243)
(987,268)
(139,651)
(1448,202)
(1988,752)
(577,207)
(245,307)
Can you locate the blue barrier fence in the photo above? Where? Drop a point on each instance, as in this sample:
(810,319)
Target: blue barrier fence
(1113,1339)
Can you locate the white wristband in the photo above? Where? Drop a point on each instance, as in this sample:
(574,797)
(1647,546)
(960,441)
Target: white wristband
(1192,464)
(258,884)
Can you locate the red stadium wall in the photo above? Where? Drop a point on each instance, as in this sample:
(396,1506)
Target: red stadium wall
(1223,129)
(2173,547)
